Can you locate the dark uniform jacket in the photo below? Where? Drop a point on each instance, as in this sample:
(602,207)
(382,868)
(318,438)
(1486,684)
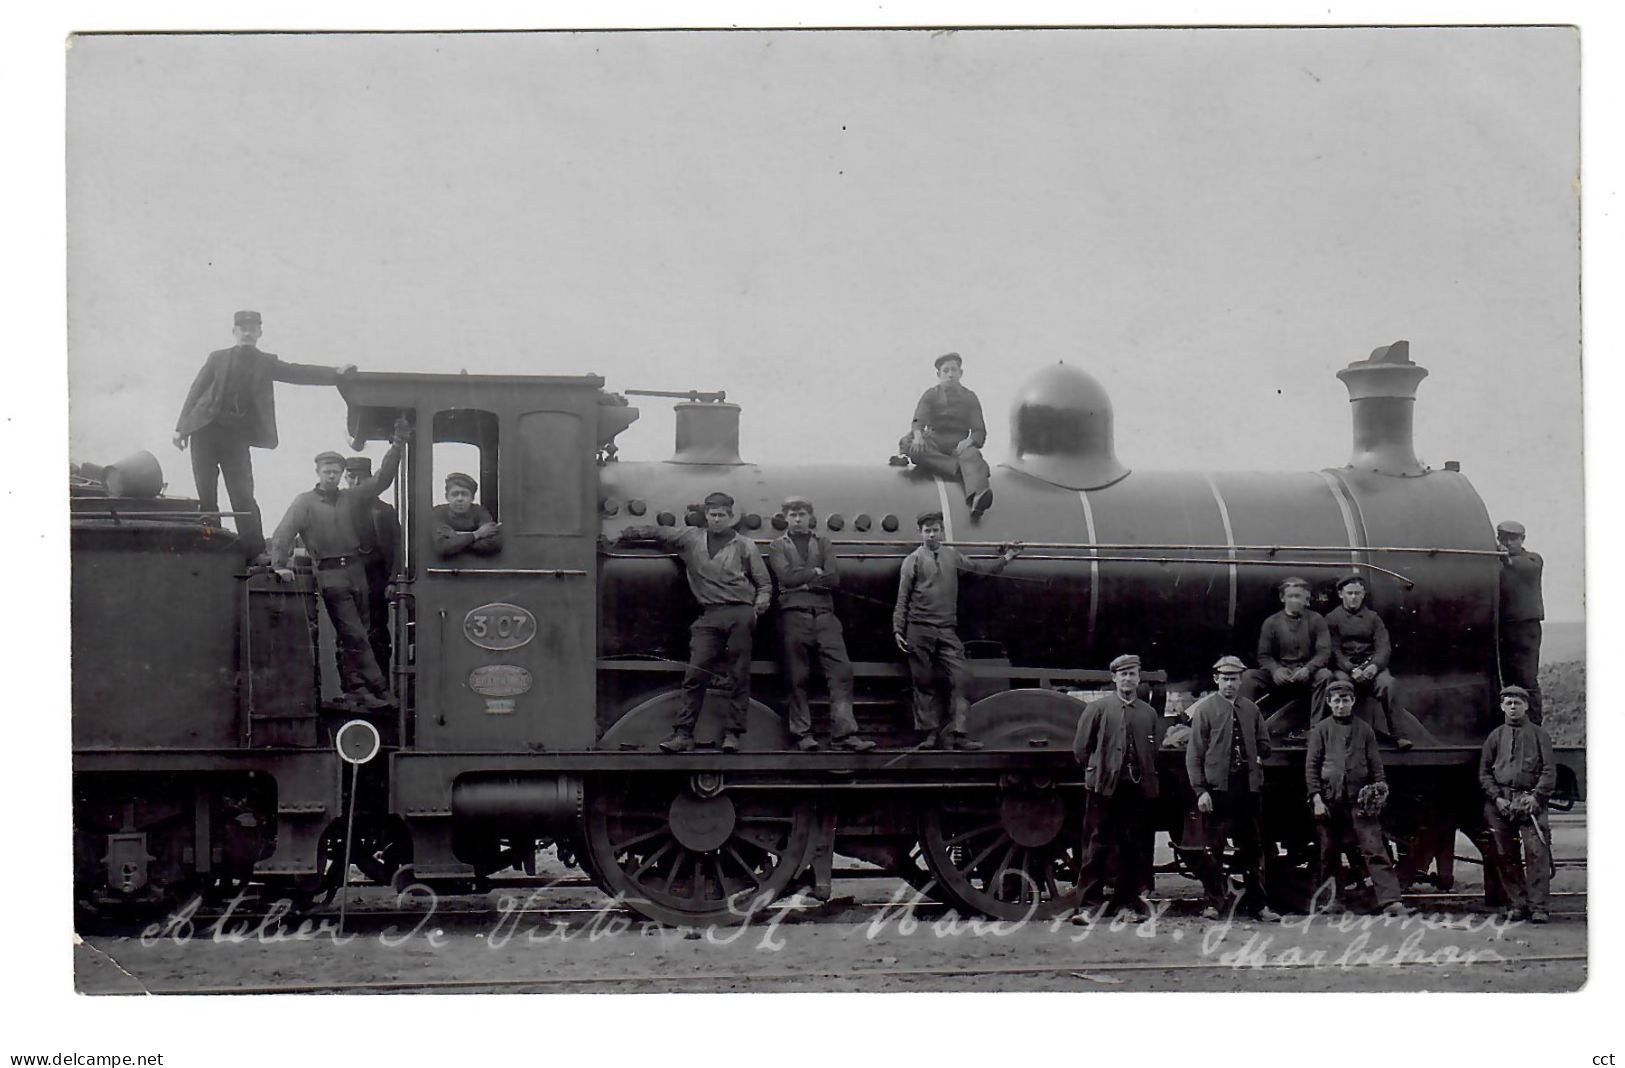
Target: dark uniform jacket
(1284,642)
(1357,637)
(453,535)
(1517,758)
(1101,743)
(1342,758)
(798,586)
(382,535)
(1520,588)
(1207,754)
(951,411)
(255,371)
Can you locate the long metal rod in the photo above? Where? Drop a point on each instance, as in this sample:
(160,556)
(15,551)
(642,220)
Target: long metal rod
(552,572)
(142,514)
(1172,547)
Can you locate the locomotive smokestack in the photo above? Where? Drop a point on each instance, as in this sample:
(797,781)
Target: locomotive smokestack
(1061,430)
(707,433)
(1382,390)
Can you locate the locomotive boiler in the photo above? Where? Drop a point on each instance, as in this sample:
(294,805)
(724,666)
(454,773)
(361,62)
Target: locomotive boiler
(533,684)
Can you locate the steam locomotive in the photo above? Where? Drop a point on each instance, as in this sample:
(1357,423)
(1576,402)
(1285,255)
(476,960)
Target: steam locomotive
(534,684)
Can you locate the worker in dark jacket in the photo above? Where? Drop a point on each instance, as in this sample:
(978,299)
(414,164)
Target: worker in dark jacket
(948,434)
(1360,652)
(804,566)
(925,625)
(378,535)
(231,408)
(1116,742)
(1521,613)
(460,525)
(1224,762)
(1347,789)
(1294,648)
(326,519)
(727,576)
(1517,772)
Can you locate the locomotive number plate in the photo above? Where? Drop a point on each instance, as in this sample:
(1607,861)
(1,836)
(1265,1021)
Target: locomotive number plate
(499,680)
(499,626)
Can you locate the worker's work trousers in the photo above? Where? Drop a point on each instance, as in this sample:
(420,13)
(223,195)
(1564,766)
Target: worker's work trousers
(218,452)
(1117,828)
(930,646)
(1256,683)
(1520,660)
(377,569)
(1528,882)
(1379,687)
(718,650)
(805,634)
(1346,827)
(937,456)
(1238,814)
(344,592)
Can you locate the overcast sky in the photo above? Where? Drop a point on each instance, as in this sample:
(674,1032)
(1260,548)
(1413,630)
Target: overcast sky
(1211,222)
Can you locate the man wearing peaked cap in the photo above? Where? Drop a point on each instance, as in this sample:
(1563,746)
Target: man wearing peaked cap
(1517,772)
(231,408)
(1116,742)
(1521,613)
(326,519)
(1224,762)
(1294,649)
(378,534)
(1360,654)
(460,525)
(948,433)
(806,569)
(727,577)
(1344,776)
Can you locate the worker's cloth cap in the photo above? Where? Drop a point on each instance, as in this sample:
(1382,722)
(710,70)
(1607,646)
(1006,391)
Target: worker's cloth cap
(1228,664)
(246,318)
(361,464)
(1515,691)
(1349,580)
(945,357)
(1509,526)
(927,517)
(718,500)
(1340,686)
(1288,583)
(457,478)
(1124,662)
(329,457)
(792,503)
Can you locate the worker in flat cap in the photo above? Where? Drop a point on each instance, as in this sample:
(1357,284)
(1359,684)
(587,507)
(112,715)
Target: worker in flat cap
(326,520)
(1521,613)
(925,625)
(231,408)
(1360,652)
(1347,791)
(1518,773)
(378,534)
(805,567)
(1294,649)
(460,525)
(948,434)
(1224,762)
(732,585)
(1116,742)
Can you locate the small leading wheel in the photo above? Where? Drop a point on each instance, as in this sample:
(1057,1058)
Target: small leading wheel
(1011,854)
(684,851)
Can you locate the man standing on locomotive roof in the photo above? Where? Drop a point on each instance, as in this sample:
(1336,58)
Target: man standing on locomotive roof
(460,525)
(925,626)
(1347,789)
(1360,651)
(378,534)
(1294,648)
(804,565)
(728,578)
(1224,762)
(231,408)
(1517,772)
(1116,743)
(948,434)
(327,518)
(1521,614)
